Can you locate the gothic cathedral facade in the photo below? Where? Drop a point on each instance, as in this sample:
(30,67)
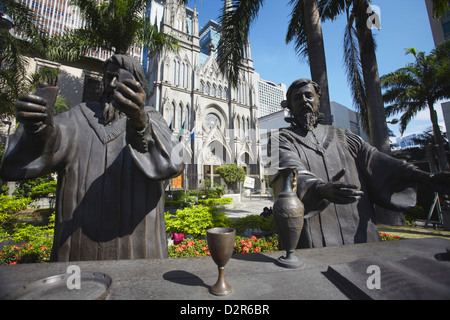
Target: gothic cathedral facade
(216,121)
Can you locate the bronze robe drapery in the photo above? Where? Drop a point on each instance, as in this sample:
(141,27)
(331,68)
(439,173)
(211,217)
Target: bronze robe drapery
(384,181)
(110,197)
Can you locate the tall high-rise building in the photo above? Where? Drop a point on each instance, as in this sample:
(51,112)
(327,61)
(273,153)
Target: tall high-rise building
(446,113)
(270,96)
(441,31)
(439,28)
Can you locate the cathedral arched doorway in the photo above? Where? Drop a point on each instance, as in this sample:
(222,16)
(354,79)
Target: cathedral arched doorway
(214,155)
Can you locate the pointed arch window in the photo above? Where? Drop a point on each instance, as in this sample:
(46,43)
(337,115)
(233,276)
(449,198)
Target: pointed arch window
(174,73)
(239,93)
(183,75)
(178,73)
(171,116)
(188,76)
(178,117)
(238,126)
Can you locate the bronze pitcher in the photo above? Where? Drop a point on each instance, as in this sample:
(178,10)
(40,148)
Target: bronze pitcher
(288,213)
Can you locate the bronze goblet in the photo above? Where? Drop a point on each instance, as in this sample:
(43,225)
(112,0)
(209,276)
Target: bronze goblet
(221,245)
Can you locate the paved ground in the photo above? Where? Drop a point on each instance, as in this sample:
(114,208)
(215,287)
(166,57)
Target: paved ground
(249,205)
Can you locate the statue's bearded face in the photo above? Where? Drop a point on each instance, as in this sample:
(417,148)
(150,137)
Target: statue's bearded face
(304,106)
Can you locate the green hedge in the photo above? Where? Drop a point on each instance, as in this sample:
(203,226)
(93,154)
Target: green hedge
(254,221)
(205,202)
(196,220)
(215,202)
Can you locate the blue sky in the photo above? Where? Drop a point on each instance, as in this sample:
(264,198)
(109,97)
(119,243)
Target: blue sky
(404,24)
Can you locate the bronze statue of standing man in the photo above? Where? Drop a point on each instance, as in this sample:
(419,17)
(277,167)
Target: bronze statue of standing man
(339,176)
(111,158)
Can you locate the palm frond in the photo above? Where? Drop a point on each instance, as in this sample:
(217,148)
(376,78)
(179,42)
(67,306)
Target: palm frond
(115,26)
(29,38)
(235,21)
(402,78)
(149,36)
(296,30)
(331,9)
(407,116)
(352,64)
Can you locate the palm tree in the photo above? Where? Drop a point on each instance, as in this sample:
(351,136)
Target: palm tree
(361,63)
(25,38)
(115,26)
(304,29)
(418,86)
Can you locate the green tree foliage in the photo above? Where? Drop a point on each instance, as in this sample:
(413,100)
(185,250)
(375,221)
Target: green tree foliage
(27,37)
(25,188)
(114,25)
(9,206)
(196,220)
(417,87)
(231,174)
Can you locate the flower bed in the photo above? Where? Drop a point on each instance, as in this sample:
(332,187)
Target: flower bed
(25,253)
(388,237)
(255,245)
(189,248)
(199,248)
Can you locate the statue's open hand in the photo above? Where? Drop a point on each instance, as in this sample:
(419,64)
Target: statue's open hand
(31,111)
(129,97)
(339,193)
